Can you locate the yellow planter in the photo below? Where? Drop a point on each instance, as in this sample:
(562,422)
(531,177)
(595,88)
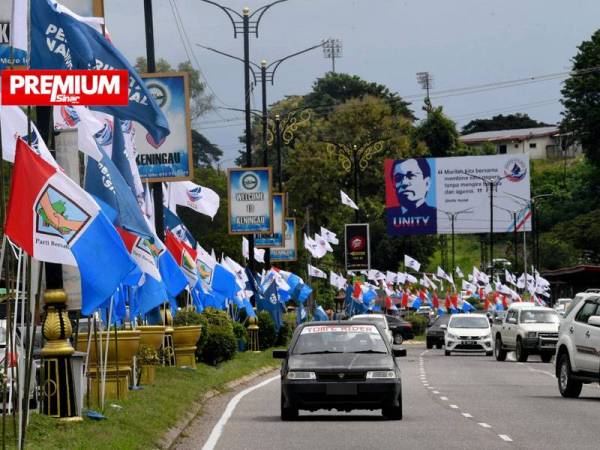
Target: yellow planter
(152,335)
(184,341)
(148,374)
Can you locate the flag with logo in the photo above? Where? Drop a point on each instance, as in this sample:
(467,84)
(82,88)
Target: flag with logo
(60,41)
(54,220)
(199,198)
(316,272)
(184,255)
(330,236)
(412,263)
(347,200)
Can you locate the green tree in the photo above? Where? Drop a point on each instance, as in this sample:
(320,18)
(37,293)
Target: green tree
(204,152)
(502,122)
(438,132)
(581,98)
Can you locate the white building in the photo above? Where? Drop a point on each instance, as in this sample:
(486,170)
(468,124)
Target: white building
(540,143)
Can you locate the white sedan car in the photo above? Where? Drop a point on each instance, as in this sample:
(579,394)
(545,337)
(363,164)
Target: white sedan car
(468,333)
(378,319)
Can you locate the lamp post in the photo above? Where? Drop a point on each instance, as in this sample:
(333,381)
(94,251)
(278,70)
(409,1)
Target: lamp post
(452,215)
(355,158)
(247,25)
(513,214)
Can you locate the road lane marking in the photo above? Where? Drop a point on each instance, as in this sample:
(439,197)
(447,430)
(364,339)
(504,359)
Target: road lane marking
(484,425)
(505,437)
(436,392)
(551,375)
(453,406)
(430,387)
(444,399)
(216,432)
(467,415)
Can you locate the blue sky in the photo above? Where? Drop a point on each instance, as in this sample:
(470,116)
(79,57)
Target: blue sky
(461,42)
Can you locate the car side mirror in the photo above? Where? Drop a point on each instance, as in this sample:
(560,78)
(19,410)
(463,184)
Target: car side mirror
(594,321)
(280,354)
(398,352)
(443,326)
(512,320)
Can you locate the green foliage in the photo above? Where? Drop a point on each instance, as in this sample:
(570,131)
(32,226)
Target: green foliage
(186,317)
(204,152)
(266,332)
(284,335)
(580,98)
(502,122)
(438,132)
(418,321)
(221,345)
(148,355)
(240,331)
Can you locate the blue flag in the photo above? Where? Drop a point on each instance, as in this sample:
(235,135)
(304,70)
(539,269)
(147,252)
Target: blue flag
(119,157)
(59,41)
(104,181)
(223,282)
(172,277)
(178,228)
(269,302)
(320,314)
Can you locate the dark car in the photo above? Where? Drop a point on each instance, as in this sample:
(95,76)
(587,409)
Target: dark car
(340,365)
(400,328)
(435,333)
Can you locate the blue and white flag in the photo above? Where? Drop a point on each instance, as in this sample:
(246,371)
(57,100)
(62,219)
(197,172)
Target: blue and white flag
(60,41)
(199,198)
(18,36)
(320,314)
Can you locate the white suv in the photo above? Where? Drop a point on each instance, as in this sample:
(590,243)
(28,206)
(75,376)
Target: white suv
(578,348)
(468,333)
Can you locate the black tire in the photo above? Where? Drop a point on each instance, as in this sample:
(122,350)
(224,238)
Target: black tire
(438,346)
(447,352)
(567,386)
(490,353)
(520,353)
(429,344)
(288,413)
(546,357)
(498,350)
(393,412)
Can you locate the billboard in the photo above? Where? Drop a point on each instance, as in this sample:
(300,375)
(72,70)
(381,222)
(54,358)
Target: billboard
(357,246)
(250,200)
(171,159)
(426,195)
(275,239)
(289,252)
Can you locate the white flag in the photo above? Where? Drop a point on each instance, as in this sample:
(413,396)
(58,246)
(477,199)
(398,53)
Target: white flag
(400,278)
(337,281)
(245,248)
(459,272)
(329,236)
(390,277)
(347,200)
(311,246)
(259,255)
(199,198)
(411,279)
(14,125)
(322,242)
(412,263)
(316,272)
(19,31)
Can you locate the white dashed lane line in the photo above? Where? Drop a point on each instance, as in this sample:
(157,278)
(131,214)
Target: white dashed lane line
(453,406)
(484,425)
(505,437)
(467,415)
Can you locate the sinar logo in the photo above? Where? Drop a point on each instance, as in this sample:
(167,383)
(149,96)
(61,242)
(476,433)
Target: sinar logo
(250,181)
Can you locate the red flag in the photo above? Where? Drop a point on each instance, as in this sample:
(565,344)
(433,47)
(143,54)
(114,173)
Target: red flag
(388,302)
(422,295)
(357,290)
(436,300)
(486,304)
(448,304)
(405,299)
(504,302)
(455,300)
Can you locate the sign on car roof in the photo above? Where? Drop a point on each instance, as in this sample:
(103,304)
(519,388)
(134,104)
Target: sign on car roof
(340,329)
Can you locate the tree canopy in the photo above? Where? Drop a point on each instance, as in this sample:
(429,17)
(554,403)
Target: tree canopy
(502,122)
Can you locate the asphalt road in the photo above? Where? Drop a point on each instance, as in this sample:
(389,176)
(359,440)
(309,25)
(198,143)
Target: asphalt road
(457,402)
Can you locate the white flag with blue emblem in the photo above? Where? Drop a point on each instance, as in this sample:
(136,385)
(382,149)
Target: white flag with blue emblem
(199,198)
(347,200)
(412,263)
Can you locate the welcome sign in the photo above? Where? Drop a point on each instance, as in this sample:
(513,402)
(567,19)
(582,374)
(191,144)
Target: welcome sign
(250,200)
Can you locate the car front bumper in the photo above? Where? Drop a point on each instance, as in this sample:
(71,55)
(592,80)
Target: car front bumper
(343,396)
(469,345)
(540,344)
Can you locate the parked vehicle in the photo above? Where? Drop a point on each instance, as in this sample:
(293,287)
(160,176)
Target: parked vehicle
(426,311)
(578,348)
(468,333)
(436,331)
(401,329)
(343,366)
(526,329)
(379,319)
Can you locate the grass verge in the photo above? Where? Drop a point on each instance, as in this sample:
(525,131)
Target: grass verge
(141,420)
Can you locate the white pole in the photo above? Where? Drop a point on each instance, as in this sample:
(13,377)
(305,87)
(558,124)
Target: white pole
(106,354)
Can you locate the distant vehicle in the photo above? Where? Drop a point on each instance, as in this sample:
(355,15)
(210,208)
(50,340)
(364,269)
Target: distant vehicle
(379,319)
(401,329)
(340,365)
(578,348)
(436,331)
(527,329)
(468,333)
(426,311)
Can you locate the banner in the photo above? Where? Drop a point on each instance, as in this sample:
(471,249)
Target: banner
(429,195)
(358,250)
(171,159)
(250,200)
(289,252)
(275,239)
(13,33)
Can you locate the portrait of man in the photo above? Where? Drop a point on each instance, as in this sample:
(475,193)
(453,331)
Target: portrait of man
(412,210)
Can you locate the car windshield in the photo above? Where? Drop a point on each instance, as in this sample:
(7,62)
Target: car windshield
(539,317)
(320,339)
(469,322)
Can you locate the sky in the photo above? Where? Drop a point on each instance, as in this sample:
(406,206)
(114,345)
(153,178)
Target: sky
(462,43)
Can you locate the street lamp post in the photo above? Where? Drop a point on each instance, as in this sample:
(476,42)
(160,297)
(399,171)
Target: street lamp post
(452,215)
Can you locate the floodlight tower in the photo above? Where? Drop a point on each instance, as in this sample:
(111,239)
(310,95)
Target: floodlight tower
(332,49)
(425,79)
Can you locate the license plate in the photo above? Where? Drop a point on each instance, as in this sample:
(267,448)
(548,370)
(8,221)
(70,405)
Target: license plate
(341,389)
(469,342)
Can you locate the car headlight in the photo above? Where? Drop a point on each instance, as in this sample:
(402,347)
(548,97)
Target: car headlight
(293,375)
(531,334)
(451,336)
(381,374)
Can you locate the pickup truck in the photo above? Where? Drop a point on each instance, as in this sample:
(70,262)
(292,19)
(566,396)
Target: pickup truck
(526,329)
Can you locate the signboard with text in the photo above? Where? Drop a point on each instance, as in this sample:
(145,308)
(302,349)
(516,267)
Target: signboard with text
(357,246)
(250,200)
(425,195)
(289,252)
(275,239)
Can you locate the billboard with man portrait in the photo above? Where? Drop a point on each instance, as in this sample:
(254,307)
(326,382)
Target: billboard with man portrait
(434,195)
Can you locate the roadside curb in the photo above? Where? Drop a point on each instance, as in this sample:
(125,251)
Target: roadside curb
(173,433)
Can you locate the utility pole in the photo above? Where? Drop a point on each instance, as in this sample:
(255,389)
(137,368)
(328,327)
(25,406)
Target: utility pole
(278,145)
(452,215)
(332,49)
(425,79)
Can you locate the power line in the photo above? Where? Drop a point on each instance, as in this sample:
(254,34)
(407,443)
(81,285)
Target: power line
(507,109)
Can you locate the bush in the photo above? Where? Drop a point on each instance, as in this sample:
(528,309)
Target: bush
(284,335)
(220,345)
(266,333)
(419,323)
(240,331)
(186,317)
(210,318)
